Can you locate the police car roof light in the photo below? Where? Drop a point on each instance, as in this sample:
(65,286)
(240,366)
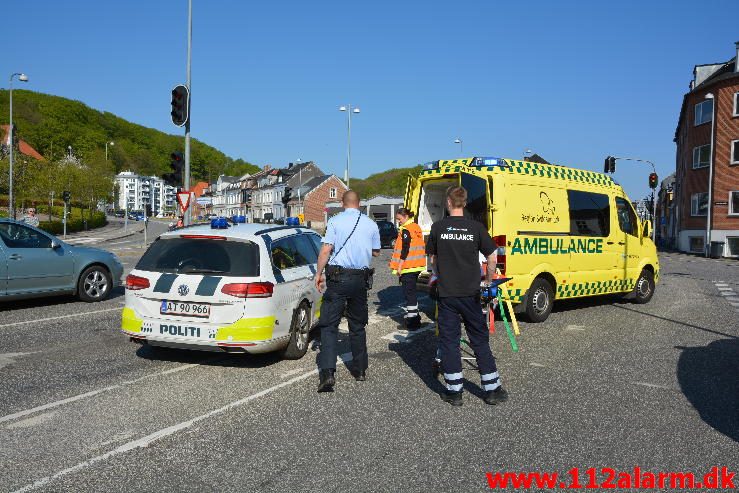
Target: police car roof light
(489,161)
(219,223)
(203,237)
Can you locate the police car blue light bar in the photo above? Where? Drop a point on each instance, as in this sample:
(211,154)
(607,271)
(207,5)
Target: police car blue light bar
(490,161)
(219,223)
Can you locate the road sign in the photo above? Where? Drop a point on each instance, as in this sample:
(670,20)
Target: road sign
(301,218)
(183,198)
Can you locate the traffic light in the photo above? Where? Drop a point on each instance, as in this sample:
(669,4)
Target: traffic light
(653,180)
(66,196)
(175,178)
(287,195)
(609,166)
(180,105)
(670,194)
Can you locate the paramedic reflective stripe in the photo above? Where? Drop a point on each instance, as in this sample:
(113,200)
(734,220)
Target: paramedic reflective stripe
(411,311)
(454,381)
(490,381)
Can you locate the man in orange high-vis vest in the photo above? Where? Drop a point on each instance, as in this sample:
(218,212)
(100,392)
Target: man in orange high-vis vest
(408,261)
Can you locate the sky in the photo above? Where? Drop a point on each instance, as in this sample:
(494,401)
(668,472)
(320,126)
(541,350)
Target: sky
(573,81)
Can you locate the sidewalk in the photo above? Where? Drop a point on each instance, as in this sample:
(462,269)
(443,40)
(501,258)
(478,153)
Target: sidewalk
(114,230)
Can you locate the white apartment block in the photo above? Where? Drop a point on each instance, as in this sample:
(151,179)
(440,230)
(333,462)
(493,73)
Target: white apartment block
(137,192)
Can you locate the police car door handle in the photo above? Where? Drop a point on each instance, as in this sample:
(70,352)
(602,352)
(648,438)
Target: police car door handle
(15,256)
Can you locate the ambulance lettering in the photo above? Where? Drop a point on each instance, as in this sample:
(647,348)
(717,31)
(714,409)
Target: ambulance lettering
(543,246)
(178,330)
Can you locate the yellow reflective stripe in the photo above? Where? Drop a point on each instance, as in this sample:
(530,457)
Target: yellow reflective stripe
(413,269)
(129,321)
(248,329)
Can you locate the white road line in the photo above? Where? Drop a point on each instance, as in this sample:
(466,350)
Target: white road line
(82,314)
(654,386)
(20,414)
(404,336)
(724,288)
(727,293)
(165,432)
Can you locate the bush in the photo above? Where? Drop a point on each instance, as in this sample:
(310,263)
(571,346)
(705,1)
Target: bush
(97,220)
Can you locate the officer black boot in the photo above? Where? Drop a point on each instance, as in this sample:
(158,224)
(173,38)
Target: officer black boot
(453,398)
(496,396)
(359,375)
(412,323)
(326,380)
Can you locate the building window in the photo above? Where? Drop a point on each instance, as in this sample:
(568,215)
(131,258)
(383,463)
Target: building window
(735,152)
(701,156)
(699,204)
(734,202)
(736,104)
(332,193)
(733,243)
(696,244)
(703,112)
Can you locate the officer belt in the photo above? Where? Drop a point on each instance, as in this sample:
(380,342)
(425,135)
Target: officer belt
(337,269)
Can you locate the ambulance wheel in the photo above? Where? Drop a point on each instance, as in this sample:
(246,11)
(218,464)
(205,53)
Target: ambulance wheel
(539,300)
(94,284)
(644,289)
(299,330)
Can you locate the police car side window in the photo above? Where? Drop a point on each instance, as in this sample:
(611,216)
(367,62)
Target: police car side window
(293,251)
(626,217)
(306,253)
(316,240)
(590,213)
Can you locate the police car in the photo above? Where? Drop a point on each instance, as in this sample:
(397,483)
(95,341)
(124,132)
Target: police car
(238,288)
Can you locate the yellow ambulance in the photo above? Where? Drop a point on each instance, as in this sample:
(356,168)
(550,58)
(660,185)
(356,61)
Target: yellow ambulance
(562,232)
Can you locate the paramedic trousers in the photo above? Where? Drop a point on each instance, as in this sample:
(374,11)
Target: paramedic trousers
(412,315)
(451,311)
(348,291)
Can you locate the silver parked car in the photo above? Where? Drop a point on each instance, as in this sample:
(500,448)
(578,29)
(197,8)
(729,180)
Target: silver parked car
(34,263)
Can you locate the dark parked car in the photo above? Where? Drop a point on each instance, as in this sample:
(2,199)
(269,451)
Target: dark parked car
(388,233)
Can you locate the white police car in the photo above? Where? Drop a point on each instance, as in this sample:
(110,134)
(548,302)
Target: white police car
(243,288)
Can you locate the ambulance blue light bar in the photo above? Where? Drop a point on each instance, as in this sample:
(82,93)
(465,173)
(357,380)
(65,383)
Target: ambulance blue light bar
(489,161)
(219,223)
(431,165)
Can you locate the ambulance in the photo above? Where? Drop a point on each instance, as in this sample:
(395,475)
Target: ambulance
(562,233)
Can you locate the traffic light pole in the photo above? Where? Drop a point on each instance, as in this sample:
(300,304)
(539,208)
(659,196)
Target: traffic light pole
(188,216)
(654,200)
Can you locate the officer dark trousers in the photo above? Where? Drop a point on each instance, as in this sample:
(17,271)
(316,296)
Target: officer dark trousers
(348,290)
(412,315)
(450,332)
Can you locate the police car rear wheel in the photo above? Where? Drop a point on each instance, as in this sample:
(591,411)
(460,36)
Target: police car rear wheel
(94,284)
(539,301)
(644,288)
(299,330)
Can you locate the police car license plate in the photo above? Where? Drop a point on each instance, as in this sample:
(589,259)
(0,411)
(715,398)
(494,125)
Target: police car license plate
(201,310)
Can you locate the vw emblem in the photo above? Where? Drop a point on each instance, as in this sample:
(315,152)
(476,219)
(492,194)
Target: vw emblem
(183,290)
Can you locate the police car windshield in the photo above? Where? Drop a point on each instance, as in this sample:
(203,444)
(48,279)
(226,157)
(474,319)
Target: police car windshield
(201,256)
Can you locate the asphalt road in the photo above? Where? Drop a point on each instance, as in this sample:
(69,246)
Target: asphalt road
(602,383)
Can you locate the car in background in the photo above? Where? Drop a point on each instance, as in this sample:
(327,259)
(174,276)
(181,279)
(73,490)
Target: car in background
(388,234)
(120,214)
(246,288)
(34,263)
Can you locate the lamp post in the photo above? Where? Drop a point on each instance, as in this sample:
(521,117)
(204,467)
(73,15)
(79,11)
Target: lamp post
(349,110)
(111,143)
(710,173)
(461,148)
(527,153)
(654,200)
(11,205)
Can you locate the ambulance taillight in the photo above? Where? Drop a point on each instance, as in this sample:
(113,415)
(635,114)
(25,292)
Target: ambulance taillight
(501,242)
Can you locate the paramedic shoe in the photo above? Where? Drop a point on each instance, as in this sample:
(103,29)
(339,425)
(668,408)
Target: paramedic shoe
(359,375)
(326,380)
(453,398)
(496,396)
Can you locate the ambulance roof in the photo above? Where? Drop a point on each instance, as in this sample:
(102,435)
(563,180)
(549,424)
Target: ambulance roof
(512,166)
(246,231)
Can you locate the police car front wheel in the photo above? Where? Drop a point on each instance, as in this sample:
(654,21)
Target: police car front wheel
(539,300)
(299,330)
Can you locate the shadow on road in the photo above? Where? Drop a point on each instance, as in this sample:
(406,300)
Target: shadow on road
(698,327)
(53,300)
(207,358)
(709,378)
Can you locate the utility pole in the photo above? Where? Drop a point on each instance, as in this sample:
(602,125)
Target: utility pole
(188,215)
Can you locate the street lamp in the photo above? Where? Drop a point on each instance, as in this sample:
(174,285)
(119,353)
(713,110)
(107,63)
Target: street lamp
(111,143)
(713,99)
(11,205)
(461,151)
(349,110)
(527,153)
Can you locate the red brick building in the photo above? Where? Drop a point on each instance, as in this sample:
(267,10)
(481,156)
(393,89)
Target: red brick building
(314,194)
(714,86)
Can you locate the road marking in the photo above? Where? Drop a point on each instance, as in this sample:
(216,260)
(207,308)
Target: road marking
(404,336)
(26,322)
(164,432)
(292,372)
(723,288)
(727,293)
(578,328)
(32,421)
(20,414)
(7,358)
(654,385)
(537,365)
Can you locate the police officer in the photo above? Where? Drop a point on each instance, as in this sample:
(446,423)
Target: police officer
(454,245)
(407,262)
(351,240)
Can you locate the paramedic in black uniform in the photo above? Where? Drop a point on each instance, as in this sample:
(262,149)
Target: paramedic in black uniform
(454,246)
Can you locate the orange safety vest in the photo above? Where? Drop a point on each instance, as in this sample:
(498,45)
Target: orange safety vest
(416,259)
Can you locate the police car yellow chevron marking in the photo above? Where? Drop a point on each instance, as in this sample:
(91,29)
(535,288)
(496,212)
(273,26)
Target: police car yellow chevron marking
(129,321)
(248,329)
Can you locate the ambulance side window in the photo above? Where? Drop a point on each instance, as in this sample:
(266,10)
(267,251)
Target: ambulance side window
(626,217)
(589,213)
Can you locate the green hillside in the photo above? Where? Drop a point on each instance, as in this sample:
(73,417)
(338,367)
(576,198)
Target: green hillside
(391,182)
(51,123)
